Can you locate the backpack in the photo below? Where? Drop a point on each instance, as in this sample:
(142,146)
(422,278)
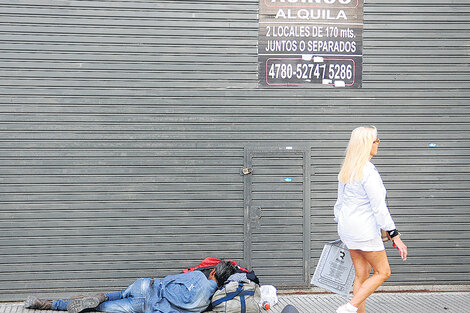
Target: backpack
(208,264)
(211,263)
(237,297)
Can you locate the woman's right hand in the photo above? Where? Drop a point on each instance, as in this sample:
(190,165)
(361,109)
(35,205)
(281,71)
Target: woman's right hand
(401,247)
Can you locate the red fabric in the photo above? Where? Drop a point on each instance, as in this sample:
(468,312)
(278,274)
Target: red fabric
(211,262)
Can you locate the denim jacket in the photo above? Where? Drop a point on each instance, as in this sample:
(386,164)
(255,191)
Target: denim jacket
(187,292)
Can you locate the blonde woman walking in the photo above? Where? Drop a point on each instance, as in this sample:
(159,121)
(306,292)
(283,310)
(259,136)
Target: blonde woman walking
(361,212)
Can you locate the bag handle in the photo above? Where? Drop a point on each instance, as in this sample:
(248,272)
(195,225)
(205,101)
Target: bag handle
(239,292)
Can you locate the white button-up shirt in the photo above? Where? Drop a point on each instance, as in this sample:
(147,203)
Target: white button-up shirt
(361,210)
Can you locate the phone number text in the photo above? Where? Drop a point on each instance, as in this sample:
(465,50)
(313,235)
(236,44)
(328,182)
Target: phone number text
(296,71)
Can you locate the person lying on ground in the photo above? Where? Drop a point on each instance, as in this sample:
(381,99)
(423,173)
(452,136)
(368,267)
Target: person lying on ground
(186,292)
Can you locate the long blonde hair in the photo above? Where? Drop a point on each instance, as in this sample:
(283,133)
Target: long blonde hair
(357,153)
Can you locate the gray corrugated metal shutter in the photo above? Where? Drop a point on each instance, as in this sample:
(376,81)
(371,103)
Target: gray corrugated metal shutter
(413,54)
(277,235)
(124,123)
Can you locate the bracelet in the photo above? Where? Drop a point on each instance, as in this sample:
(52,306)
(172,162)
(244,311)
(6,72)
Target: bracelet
(393,233)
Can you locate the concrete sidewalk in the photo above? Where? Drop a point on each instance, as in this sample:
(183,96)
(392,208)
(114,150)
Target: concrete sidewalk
(385,302)
(455,302)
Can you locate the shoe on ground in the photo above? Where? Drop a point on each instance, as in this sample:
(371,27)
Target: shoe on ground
(33,302)
(79,305)
(346,308)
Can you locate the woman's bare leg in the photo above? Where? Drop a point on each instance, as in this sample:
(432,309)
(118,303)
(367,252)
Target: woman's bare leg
(362,272)
(379,262)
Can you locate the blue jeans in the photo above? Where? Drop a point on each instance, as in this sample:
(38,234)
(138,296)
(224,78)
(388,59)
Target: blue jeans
(131,300)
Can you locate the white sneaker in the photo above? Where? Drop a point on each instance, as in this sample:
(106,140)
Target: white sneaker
(346,308)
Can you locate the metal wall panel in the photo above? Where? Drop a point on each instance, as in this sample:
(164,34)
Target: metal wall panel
(277,218)
(123,126)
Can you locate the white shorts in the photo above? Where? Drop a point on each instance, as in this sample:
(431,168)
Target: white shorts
(375,244)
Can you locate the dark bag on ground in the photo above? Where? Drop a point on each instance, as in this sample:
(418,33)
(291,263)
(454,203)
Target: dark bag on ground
(237,297)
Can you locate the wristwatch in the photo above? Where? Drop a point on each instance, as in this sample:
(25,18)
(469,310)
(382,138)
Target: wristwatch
(393,233)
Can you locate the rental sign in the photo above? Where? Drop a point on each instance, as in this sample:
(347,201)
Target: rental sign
(310,43)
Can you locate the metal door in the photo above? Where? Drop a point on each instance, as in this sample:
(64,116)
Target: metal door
(277,223)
